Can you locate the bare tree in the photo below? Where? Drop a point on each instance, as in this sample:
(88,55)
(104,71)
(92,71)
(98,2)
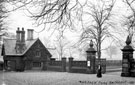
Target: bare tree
(55,12)
(61,44)
(98,30)
(3,15)
(3,12)
(111,50)
(130,18)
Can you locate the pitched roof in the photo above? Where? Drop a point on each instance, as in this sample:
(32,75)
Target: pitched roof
(9,46)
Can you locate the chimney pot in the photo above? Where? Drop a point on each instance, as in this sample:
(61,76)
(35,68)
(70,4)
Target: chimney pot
(18,28)
(30,34)
(22,28)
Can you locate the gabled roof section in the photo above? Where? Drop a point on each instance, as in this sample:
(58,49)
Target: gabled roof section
(29,43)
(9,46)
(45,47)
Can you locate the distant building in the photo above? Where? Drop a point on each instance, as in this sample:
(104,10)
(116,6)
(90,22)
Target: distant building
(20,54)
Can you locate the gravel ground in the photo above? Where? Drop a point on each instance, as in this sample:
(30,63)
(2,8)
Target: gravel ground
(63,78)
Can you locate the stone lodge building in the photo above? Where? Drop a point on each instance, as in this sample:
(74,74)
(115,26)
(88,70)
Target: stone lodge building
(20,54)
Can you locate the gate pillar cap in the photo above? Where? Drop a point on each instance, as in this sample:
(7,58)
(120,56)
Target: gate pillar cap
(128,47)
(91,49)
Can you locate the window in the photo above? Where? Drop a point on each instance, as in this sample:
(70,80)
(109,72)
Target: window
(38,53)
(36,64)
(38,46)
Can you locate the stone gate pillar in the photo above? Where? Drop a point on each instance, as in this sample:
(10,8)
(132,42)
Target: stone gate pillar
(63,64)
(127,56)
(70,64)
(91,58)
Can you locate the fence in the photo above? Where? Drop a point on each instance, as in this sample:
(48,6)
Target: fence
(81,66)
(77,66)
(114,63)
(54,65)
(103,64)
(79,63)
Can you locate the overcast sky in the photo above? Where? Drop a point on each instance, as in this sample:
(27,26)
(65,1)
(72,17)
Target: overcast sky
(20,19)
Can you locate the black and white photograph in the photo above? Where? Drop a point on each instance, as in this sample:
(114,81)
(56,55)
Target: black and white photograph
(67,42)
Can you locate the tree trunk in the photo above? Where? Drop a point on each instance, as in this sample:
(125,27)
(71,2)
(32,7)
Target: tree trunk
(99,45)
(99,53)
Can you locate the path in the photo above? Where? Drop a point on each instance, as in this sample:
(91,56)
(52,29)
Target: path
(64,78)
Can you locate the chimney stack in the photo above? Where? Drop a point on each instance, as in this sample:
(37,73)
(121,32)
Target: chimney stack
(23,35)
(18,35)
(20,41)
(30,34)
